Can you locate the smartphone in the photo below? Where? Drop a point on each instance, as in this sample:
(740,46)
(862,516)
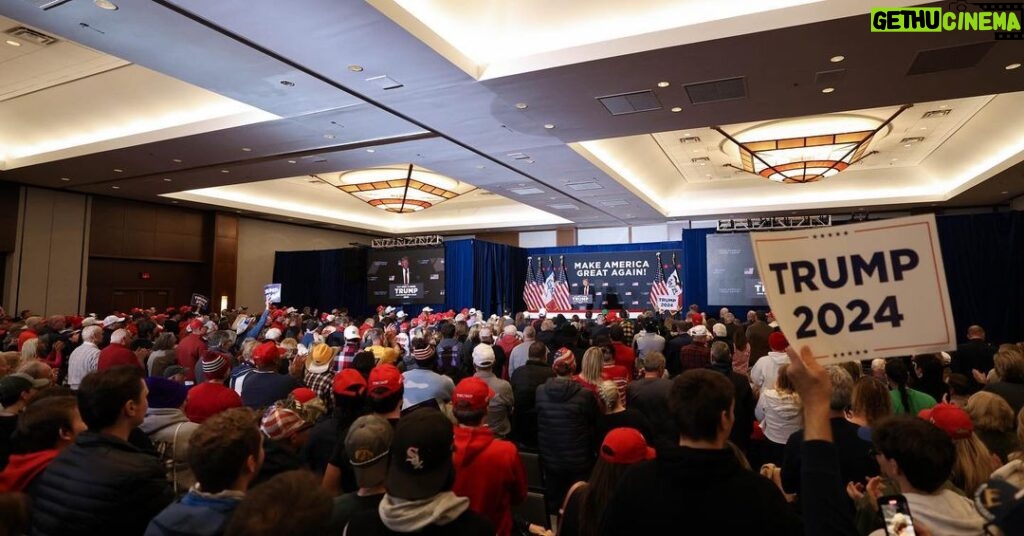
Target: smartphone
(896,515)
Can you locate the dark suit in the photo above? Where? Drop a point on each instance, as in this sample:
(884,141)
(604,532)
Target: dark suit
(587,291)
(973,354)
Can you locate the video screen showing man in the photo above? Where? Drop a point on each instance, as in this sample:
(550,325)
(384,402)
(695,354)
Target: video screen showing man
(406,276)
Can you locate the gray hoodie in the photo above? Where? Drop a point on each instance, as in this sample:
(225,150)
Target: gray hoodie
(945,513)
(401,515)
(169,430)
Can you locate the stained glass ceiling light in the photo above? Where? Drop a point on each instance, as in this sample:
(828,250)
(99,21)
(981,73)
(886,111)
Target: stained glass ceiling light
(806,149)
(401,189)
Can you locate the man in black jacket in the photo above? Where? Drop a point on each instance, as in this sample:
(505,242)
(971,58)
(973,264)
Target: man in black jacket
(102,484)
(566,419)
(525,381)
(699,482)
(975,354)
(743,408)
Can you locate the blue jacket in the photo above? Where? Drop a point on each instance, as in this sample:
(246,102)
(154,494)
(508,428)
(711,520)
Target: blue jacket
(195,514)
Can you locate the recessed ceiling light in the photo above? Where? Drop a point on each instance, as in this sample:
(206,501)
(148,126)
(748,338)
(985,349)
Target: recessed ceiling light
(287,83)
(291,161)
(677,109)
(115,187)
(1004,192)
(522,105)
(238,212)
(105,4)
(118,170)
(1012,66)
(176,160)
(906,145)
(329,136)
(225,171)
(480,167)
(549,126)
(247,149)
(167,180)
(13,43)
(837,59)
(943,106)
(371,150)
(174,202)
(893,159)
(529,161)
(923,128)
(828,90)
(355,68)
(65,179)
(663,84)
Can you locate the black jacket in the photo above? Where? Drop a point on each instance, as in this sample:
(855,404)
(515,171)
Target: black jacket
(99,485)
(525,381)
(743,410)
(566,421)
(650,397)
(973,354)
(855,460)
(696,491)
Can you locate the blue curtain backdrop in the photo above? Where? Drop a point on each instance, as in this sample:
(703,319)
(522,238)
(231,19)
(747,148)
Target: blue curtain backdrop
(983,255)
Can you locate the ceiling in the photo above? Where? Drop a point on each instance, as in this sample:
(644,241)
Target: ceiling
(240,105)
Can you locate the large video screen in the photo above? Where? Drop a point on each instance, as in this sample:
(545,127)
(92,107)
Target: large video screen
(732,272)
(408,275)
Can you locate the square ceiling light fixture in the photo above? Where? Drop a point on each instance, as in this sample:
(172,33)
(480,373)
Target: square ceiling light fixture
(401,189)
(805,149)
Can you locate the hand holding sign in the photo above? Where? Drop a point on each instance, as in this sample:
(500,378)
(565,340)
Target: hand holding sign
(861,291)
(272,292)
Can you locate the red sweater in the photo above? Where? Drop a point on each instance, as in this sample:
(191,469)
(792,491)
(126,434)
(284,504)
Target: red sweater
(190,350)
(625,357)
(489,472)
(115,355)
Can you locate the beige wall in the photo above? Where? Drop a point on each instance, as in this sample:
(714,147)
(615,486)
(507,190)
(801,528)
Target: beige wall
(47,271)
(259,239)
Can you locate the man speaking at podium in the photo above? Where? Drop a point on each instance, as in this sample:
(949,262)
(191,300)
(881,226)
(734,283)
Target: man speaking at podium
(586,290)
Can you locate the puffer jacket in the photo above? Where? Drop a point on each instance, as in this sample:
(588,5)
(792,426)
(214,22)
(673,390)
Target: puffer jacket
(566,419)
(99,485)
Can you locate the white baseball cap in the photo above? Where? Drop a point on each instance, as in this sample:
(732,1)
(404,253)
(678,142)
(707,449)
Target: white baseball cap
(483,355)
(111,320)
(351,332)
(698,331)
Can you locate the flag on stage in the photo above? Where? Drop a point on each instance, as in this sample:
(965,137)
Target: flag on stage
(548,292)
(562,300)
(658,287)
(675,287)
(531,290)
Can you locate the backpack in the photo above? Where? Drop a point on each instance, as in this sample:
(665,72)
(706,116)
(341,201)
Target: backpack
(165,452)
(449,361)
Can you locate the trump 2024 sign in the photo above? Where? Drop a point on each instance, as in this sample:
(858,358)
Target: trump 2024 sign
(859,291)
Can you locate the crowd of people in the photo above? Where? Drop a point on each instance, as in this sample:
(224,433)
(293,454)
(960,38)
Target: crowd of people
(305,422)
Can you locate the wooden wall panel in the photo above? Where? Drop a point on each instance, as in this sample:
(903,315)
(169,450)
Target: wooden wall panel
(106,276)
(134,230)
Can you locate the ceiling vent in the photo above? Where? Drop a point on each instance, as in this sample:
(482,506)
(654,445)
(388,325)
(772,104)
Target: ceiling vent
(631,103)
(916,139)
(580,186)
(689,139)
(31,36)
(829,78)
(717,90)
(526,191)
(949,58)
(932,114)
(564,206)
(613,203)
(702,160)
(385,82)
(518,156)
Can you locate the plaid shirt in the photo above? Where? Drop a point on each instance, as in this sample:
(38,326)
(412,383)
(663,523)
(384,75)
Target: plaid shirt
(344,357)
(627,329)
(322,384)
(694,356)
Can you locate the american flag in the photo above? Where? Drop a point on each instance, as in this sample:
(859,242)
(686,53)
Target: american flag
(562,302)
(658,287)
(531,290)
(548,294)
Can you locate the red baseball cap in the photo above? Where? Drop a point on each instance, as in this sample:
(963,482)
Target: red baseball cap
(625,445)
(303,394)
(385,380)
(777,341)
(472,394)
(265,353)
(951,419)
(196,325)
(349,382)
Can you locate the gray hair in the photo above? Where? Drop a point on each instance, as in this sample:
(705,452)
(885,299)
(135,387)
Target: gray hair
(92,333)
(529,333)
(720,352)
(119,336)
(842,388)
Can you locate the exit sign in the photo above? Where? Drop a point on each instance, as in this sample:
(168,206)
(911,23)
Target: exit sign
(144,275)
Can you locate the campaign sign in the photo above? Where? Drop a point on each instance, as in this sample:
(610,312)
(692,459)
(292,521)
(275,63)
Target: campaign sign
(859,291)
(405,292)
(581,299)
(272,292)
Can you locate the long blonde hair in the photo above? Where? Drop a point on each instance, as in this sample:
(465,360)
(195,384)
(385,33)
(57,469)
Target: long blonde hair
(990,411)
(973,464)
(593,362)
